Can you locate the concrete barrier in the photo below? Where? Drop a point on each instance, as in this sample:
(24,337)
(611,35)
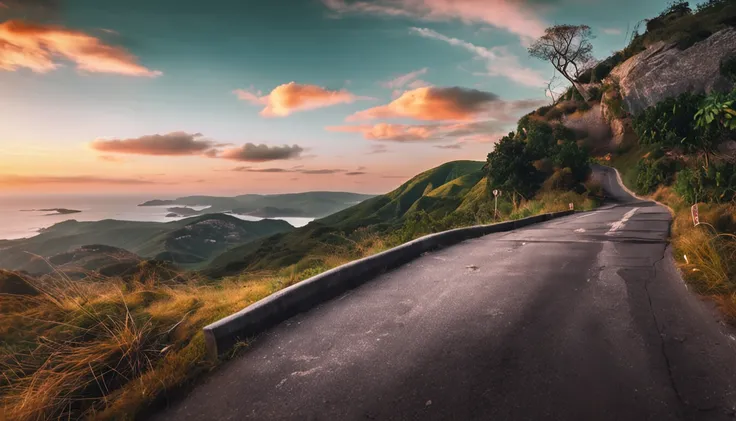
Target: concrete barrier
(221,335)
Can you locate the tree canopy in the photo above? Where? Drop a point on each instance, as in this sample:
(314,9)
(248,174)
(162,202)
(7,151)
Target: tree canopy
(568,49)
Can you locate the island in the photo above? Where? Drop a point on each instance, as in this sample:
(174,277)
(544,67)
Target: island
(158,202)
(55,211)
(182,211)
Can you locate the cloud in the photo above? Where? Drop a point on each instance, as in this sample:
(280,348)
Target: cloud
(172,144)
(250,152)
(437,104)
(290,170)
(611,31)
(457,145)
(37,46)
(378,149)
(292,97)
(499,61)
(515,16)
(21,180)
(408,80)
(474,132)
(110,158)
(392,132)
(403,80)
(354,173)
(432,104)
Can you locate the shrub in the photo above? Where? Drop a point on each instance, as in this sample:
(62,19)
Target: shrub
(717,183)
(542,111)
(670,122)
(653,172)
(728,68)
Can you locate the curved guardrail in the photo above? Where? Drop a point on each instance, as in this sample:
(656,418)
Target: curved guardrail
(221,335)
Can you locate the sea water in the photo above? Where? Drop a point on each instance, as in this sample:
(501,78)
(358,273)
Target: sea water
(20,216)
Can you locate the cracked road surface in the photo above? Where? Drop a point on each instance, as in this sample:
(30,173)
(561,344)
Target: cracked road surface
(579,318)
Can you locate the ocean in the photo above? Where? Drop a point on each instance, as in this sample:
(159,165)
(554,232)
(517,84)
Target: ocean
(20,218)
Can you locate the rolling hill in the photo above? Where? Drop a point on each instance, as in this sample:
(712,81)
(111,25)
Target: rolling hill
(188,243)
(458,185)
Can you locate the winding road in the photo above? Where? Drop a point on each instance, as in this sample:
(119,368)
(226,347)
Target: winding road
(580,318)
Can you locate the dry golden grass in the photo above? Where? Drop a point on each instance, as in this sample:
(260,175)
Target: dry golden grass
(109,349)
(706,254)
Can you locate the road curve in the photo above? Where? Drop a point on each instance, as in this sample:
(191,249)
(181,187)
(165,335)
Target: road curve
(580,318)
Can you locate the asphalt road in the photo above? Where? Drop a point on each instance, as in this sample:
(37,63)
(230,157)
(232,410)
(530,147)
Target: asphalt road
(579,318)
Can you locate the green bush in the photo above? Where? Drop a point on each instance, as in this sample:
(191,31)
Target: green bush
(728,68)
(717,183)
(542,111)
(655,171)
(670,122)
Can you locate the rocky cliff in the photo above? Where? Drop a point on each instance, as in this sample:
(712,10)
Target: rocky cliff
(664,71)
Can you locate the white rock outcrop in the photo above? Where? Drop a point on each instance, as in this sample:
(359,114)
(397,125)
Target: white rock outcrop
(663,71)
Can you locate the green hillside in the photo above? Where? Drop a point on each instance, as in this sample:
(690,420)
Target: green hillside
(393,206)
(437,192)
(189,242)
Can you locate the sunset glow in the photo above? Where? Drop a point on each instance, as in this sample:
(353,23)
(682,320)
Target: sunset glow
(266,96)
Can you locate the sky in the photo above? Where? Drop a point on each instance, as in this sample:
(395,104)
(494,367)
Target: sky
(175,97)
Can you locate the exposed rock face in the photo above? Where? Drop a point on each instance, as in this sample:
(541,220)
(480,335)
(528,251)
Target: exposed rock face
(663,71)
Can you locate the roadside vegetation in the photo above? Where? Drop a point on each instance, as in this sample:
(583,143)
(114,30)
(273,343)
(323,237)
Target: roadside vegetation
(678,156)
(108,347)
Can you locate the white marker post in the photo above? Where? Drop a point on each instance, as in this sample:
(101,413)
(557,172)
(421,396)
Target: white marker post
(572,206)
(496,193)
(696,216)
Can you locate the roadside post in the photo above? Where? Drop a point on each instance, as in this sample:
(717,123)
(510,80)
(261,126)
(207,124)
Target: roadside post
(694,213)
(496,193)
(572,206)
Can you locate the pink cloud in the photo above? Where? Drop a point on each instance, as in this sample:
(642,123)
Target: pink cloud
(391,132)
(404,80)
(473,132)
(432,104)
(37,47)
(292,97)
(499,61)
(515,16)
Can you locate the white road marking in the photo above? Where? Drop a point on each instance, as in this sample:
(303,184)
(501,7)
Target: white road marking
(586,215)
(580,230)
(618,224)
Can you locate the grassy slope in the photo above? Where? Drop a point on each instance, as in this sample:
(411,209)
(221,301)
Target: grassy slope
(143,339)
(327,235)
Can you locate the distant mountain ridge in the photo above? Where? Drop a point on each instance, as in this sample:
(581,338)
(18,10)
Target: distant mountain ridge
(309,204)
(187,243)
(456,186)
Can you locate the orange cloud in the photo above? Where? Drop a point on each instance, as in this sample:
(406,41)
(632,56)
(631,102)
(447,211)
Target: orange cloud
(473,132)
(391,132)
(515,16)
(291,97)
(36,47)
(433,104)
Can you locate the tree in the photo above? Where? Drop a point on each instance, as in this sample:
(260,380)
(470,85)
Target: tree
(510,168)
(553,86)
(568,49)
